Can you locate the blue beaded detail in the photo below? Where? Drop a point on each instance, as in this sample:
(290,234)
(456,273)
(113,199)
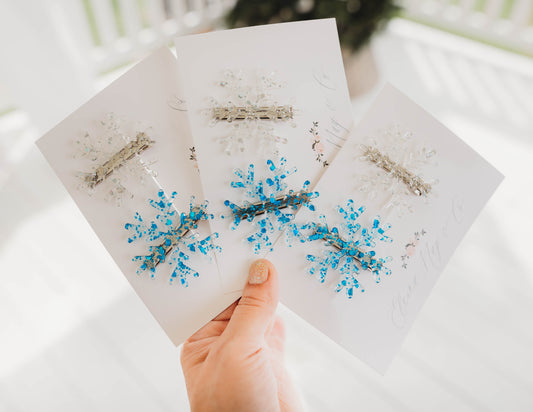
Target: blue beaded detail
(269,206)
(173,236)
(348,248)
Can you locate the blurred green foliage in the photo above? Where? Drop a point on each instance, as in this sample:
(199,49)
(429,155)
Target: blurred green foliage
(357,20)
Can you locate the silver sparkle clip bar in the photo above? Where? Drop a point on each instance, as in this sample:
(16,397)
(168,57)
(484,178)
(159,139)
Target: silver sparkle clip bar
(232,113)
(365,259)
(171,240)
(141,143)
(414,182)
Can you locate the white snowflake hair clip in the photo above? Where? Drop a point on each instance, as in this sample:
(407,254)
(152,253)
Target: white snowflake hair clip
(114,158)
(399,165)
(249,108)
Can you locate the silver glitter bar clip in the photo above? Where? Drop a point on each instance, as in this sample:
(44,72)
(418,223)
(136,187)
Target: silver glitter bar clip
(187,223)
(135,147)
(231,113)
(415,184)
(366,260)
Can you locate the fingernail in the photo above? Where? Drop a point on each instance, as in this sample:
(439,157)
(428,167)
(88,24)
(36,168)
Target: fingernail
(258,273)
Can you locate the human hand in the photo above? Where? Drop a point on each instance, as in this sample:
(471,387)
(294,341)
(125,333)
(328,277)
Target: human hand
(235,362)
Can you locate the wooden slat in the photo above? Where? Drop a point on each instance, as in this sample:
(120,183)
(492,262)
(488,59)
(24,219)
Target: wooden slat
(199,6)
(75,15)
(105,21)
(199,10)
(452,83)
(131,18)
(178,9)
(474,87)
(430,7)
(214,8)
(522,89)
(521,14)
(487,25)
(492,10)
(5,101)
(156,13)
(467,9)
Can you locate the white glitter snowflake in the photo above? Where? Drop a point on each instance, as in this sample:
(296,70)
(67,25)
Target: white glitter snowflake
(112,165)
(249,111)
(399,170)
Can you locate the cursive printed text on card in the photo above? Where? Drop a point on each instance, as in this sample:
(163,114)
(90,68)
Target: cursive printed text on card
(431,258)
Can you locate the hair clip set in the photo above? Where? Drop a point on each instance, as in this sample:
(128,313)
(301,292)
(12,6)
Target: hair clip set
(172,236)
(269,205)
(114,155)
(271,209)
(398,160)
(248,110)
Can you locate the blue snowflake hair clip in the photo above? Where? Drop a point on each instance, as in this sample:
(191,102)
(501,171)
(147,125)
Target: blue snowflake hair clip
(349,248)
(172,235)
(269,206)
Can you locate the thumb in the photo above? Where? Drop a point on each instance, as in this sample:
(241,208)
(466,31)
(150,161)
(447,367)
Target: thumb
(255,311)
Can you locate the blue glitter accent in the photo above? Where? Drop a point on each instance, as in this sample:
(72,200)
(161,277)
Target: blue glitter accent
(268,199)
(172,230)
(348,248)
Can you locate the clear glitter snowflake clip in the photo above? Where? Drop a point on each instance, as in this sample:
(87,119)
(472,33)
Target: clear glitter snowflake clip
(269,205)
(399,161)
(172,237)
(348,248)
(135,147)
(248,109)
(114,156)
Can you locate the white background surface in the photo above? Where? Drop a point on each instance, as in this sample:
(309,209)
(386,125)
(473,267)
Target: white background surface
(74,335)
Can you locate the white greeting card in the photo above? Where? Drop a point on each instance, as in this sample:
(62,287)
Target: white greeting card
(142,112)
(255,95)
(362,275)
